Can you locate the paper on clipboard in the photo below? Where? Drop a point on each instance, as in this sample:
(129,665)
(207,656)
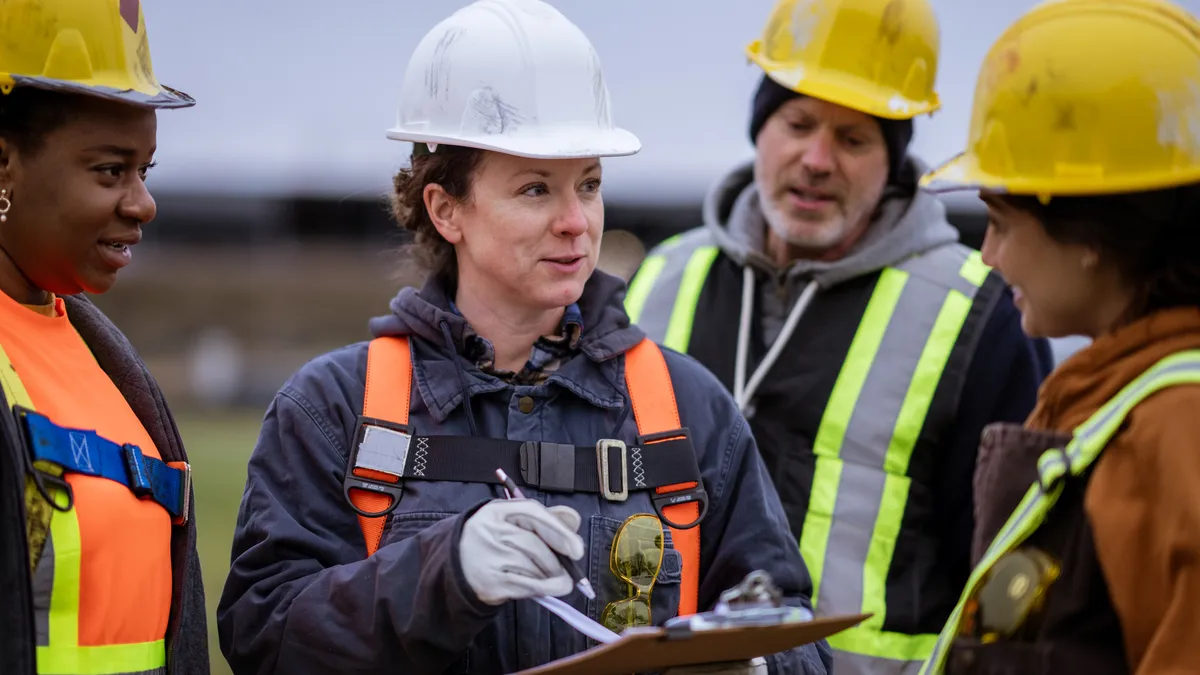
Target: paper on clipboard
(578,620)
(647,650)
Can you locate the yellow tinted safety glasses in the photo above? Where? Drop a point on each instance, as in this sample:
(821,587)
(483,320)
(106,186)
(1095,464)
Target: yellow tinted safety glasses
(636,557)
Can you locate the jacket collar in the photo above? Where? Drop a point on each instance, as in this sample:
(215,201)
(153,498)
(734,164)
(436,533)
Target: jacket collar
(427,316)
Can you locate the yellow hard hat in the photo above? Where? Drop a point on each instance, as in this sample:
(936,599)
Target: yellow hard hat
(1084,97)
(95,47)
(876,56)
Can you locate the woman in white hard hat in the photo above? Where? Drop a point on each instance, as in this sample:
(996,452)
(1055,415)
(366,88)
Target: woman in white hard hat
(98,566)
(1087,152)
(375,535)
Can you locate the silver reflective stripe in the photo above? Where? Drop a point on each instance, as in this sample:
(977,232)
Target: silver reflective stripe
(923,303)
(944,267)
(43,585)
(847,663)
(155,671)
(1088,442)
(654,312)
(864,447)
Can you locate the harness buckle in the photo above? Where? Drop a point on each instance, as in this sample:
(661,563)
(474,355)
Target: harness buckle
(695,491)
(135,469)
(41,479)
(664,500)
(378,455)
(185,498)
(603,448)
(548,466)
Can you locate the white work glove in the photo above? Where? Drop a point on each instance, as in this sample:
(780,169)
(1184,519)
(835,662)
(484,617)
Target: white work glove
(506,550)
(756,666)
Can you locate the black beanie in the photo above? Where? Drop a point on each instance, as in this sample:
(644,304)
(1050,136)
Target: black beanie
(770,95)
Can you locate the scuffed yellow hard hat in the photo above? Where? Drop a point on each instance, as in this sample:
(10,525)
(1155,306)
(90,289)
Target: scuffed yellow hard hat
(1082,97)
(95,47)
(876,56)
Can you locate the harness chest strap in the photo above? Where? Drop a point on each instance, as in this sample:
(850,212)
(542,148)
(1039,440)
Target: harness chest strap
(386,405)
(53,449)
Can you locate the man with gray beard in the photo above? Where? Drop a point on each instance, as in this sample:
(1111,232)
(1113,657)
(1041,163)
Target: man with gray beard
(867,347)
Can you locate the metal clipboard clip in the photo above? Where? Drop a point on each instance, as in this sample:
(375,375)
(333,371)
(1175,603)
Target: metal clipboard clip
(756,601)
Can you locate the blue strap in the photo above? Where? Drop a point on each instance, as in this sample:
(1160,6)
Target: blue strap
(85,452)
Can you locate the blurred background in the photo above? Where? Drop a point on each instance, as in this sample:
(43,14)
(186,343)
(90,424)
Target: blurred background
(273,241)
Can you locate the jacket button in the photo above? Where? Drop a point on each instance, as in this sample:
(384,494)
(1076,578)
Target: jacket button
(525,405)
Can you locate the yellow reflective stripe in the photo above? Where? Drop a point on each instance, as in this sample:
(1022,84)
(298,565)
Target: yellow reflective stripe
(641,285)
(923,385)
(1090,439)
(37,513)
(64,656)
(103,659)
(14,389)
(974,270)
(864,640)
(911,419)
(679,330)
(818,520)
(64,595)
(814,536)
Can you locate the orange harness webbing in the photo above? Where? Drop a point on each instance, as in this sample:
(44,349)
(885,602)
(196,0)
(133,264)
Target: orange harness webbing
(387,397)
(389,385)
(654,408)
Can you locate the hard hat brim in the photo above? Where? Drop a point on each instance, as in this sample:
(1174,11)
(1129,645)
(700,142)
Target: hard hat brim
(954,175)
(567,144)
(962,172)
(844,90)
(166,97)
(855,95)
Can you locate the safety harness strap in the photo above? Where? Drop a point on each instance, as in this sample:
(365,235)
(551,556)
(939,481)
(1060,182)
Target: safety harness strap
(1055,467)
(613,470)
(86,452)
(385,401)
(654,407)
(386,450)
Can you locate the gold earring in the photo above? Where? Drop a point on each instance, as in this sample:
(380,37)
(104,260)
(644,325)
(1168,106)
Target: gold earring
(5,204)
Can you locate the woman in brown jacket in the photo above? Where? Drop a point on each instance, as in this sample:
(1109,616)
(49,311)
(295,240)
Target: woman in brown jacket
(1085,144)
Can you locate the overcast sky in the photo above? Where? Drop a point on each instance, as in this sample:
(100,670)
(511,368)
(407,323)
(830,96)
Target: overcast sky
(294,95)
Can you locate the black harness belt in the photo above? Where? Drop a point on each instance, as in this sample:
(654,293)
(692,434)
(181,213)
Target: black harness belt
(384,455)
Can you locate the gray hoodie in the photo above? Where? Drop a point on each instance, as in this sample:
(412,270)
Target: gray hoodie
(908,222)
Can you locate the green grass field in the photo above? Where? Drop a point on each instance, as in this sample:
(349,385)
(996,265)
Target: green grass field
(218,445)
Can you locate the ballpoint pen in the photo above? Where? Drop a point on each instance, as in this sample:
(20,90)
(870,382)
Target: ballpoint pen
(581,580)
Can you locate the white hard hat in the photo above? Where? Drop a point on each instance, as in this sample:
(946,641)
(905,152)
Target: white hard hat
(514,76)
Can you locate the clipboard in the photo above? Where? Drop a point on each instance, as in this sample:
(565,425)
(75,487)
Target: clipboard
(648,650)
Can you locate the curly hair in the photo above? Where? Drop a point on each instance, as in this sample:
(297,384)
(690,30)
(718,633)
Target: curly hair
(1152,237)
(451,167)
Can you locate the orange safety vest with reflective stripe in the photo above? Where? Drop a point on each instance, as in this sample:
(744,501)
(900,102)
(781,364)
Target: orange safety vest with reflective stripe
(388,397)
(95,614)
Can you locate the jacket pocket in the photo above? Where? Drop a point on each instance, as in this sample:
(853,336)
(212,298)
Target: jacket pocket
(402,526)
(664,595)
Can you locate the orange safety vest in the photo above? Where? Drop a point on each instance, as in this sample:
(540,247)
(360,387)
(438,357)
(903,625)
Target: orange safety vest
(77,635)
(388,398)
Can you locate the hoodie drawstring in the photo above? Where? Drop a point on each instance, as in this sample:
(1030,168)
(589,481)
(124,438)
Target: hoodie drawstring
(743,391)
(462,375)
